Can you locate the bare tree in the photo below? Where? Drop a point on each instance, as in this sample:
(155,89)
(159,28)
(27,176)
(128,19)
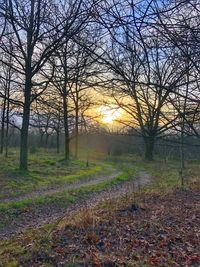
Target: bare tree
(38,29)
(83,80)
(143,68)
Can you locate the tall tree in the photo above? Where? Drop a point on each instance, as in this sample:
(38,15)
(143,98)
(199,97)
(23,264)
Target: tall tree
(142,67)
(39,28)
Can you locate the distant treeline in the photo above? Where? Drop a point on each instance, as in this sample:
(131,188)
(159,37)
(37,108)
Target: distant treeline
(101,144)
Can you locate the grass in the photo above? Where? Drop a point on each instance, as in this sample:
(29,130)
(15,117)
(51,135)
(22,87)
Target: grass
(164,177)
(18,209)
(45,170)
(14,247)
(168,178)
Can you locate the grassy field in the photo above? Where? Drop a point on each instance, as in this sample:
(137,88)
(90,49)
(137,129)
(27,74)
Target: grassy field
(45,170)
(38,245)
(45,188)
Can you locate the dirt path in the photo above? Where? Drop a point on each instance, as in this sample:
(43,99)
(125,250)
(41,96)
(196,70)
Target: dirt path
(62,188)
(51,215)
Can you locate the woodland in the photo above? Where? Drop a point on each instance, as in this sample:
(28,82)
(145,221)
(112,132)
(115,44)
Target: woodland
(99,133)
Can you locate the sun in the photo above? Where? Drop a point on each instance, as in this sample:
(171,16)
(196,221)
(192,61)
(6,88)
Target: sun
(109,113)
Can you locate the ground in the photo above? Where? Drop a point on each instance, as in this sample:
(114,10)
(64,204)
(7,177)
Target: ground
(51,188)
(155,232)
(118,212)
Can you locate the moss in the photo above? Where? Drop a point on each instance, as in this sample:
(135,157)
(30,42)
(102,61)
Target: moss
(18,209)
(45,170)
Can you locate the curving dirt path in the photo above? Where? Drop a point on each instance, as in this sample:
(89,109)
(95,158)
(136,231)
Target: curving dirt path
(53,214)
(62,188)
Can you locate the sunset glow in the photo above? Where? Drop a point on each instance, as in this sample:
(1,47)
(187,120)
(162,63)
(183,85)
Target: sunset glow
(109,113)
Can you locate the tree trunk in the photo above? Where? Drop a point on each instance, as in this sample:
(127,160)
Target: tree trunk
(149,148)
(58,141)
(3,126)
(27,92)
(8,108)
(76,134)
(7,123)
(65,110)
(25,124)
(46,140)
(41,139)
(182,152)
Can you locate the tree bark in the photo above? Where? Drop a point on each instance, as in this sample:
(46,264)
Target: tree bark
(41,139)
(149,148)
(3,126)
(7,123)
(8,111)
(58,141)
(65,110)
(76,133)
(46,140)
(27,92)
(25,123)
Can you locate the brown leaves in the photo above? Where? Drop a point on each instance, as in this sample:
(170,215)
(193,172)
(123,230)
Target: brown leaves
(92,238)
(96,260)
(164,232)
(194,259)
(153,261)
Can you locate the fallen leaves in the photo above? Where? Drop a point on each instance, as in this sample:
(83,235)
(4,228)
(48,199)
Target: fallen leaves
(165,232)
(161,231)
(96,260)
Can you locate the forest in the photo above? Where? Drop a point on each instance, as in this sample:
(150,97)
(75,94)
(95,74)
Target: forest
(99,133)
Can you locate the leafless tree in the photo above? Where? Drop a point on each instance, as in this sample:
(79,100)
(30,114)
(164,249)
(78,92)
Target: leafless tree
(142,67)
(38,28)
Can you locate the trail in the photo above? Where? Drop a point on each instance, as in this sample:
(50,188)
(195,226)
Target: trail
(53,214)
(62,188)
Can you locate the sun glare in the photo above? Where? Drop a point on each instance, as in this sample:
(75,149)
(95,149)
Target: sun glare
(109,114)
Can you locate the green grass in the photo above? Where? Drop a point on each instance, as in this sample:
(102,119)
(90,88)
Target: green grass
(15,248)
(49,171)
(12,210)
(45,170)
(164,177)
(17,209)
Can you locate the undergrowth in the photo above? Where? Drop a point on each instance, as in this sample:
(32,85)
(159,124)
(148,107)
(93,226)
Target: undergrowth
(86,225)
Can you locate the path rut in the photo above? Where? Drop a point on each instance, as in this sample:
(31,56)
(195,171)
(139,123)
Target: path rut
(91,200)
(64,188)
